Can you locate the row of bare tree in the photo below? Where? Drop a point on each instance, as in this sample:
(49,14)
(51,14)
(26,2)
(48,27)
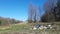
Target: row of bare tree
(52,12)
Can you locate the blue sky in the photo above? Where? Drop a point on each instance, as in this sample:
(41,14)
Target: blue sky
(18,9)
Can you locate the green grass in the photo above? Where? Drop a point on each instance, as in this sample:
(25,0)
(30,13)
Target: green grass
(26,28)
(15,28)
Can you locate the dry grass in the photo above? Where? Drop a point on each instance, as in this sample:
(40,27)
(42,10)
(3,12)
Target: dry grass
(24,28)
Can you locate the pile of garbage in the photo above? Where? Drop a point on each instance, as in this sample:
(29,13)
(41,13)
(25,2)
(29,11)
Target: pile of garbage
(42,27)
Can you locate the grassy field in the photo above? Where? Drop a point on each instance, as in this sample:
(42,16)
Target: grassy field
(26,29)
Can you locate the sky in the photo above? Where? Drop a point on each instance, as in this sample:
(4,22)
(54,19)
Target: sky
(18,9)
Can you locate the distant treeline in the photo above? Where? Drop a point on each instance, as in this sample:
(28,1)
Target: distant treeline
(8,21)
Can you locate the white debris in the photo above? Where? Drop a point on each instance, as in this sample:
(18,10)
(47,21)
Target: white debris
(49,25)
(40,27)
(45,27)
(34,28)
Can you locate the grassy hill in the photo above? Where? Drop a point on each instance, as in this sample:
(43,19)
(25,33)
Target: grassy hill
(25,28)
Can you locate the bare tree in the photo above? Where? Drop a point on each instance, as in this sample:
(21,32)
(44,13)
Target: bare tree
(39,14)
(30,13)
(35,15)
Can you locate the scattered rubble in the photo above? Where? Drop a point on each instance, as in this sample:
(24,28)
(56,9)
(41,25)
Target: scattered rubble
(42,27)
